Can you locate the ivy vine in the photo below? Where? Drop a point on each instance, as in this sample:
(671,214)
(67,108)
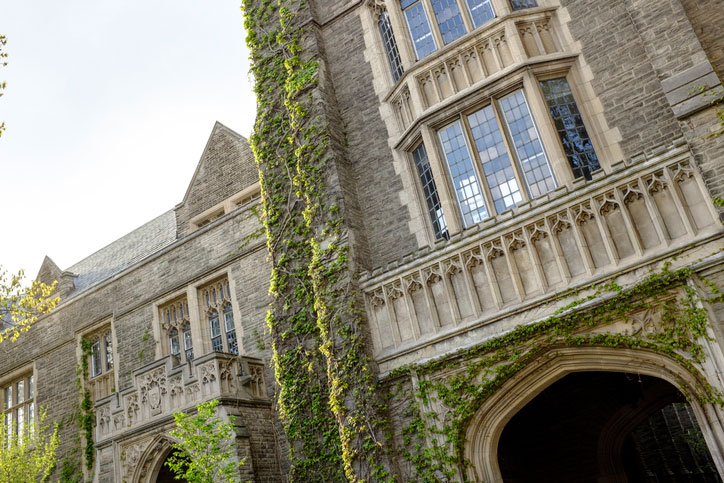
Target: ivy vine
(86,417)
(478,372)
(328,398)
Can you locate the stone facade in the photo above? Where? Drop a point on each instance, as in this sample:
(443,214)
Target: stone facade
(429,297)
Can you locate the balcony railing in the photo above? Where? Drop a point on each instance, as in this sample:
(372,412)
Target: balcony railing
(566,239)
(161,388)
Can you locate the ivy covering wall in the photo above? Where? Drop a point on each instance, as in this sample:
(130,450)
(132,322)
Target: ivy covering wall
(327,400)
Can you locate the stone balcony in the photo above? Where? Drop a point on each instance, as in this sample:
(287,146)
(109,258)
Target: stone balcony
(161,388)
(566,240)
(475,60)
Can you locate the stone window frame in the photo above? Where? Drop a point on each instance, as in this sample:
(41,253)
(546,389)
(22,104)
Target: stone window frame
(526,79)
(26,375)
(400,30)
(192,291)
(105,382)
(176,314)
(215,298)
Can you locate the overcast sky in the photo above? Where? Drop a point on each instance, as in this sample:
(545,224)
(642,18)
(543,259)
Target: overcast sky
(108,107)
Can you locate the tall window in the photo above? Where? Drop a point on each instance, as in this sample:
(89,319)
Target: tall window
(220,317)
(448,20)
(388,39)
(18,409)
(429,190)
(101,382)
(419,27)
(571,130)
(507,165)
(175,320)
(521,4)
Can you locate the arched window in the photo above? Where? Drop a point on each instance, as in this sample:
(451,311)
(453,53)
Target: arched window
(217,296)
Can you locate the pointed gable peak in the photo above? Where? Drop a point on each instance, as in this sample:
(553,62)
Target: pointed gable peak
(49,272)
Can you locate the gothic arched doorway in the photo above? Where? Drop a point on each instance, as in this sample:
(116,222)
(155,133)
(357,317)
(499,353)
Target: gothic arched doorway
(485,428)
(165,475)
(606,427)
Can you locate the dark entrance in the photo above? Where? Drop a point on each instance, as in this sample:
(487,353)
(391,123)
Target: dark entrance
(165,475)
(606,427)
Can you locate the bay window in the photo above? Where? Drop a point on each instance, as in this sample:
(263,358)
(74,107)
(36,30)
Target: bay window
(493,156)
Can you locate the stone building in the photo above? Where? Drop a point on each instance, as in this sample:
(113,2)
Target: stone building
(529,190)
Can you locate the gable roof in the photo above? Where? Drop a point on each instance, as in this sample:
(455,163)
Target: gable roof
(216,132)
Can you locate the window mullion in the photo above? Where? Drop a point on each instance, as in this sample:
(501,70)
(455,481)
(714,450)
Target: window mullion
(512,154)
(439,173)
(478,166)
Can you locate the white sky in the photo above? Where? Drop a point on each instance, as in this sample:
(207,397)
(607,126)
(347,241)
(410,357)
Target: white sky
(108,107)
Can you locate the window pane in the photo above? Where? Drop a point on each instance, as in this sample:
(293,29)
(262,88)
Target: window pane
(173,341)
(231,342)
(20,394)
(481,11)
(188,343)
(528,147)
(96,359)
(393,55)
(569,124)
(463,175)
(494,158)
(108,341)
(521,4)
(20,419)
(31,417)
(419,28)
(31,389)
(216,343)
(429,189)
(8,397)
(448,19)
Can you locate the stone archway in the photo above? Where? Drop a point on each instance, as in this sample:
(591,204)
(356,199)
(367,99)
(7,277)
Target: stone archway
(152,460)
(486,426)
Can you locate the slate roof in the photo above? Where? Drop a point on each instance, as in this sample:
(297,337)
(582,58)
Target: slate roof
(124,252)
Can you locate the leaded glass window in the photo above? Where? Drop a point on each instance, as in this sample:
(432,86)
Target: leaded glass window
(230,330)
(463,175)
(481,11)
(95,357)
(173,342)
(569,125)
(108,349)
(449,19)
(429,189)
(522,4)
(218,304)
(529,149)
(177,325)
(418,27)
(215,331)
(388,39)
(494,159)
(188,343)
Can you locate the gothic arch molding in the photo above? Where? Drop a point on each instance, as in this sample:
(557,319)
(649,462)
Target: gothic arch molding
(152,458)
(487,424)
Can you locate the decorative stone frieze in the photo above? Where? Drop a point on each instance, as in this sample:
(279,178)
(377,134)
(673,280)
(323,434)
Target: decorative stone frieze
(600,228)
(161,389)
